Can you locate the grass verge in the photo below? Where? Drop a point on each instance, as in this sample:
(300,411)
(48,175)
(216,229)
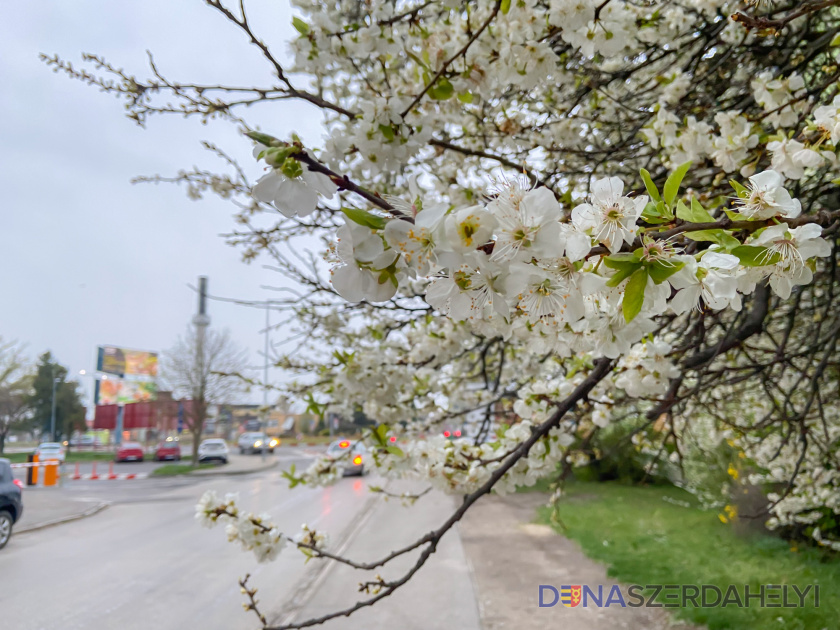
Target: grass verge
(659,535)
(170,470)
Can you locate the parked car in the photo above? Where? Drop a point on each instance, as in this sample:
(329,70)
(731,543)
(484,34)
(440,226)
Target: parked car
(85,441)
(168,449)
(50,450)
(129,452)
(11,503)
(350,455)
(256,442)
(213,450)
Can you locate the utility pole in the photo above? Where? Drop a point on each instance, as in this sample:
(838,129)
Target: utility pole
(201,321)
(265,382)
(52,412)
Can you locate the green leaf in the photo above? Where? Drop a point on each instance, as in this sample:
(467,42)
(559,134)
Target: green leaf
(625,264)
(363,217)
(634,294)
(264,138)
(505,7)
(300,26)
(276,156)
(651,188)
(615,261)
(836,40)
(752,256)
(721,237)
(740,190)
(442,90)
(672,184)
(394,450)
(622,273)
(660,271)
(466,97)
(388,132)
(695,214)
(653,213)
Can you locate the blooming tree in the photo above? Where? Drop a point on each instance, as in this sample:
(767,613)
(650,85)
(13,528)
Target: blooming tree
(548,216)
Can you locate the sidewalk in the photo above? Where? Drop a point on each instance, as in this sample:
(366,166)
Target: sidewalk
(43,507)
(511,556)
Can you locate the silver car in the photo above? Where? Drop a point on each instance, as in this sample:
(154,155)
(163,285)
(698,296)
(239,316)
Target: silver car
(350,455)
(256,443)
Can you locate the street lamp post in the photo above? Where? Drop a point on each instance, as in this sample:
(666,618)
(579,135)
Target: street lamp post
(52,412)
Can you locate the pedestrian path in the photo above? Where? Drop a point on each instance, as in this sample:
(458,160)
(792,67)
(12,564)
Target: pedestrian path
(511,556)
(43,507)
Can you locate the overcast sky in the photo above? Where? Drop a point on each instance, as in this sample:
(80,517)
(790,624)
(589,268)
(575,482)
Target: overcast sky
(87,258)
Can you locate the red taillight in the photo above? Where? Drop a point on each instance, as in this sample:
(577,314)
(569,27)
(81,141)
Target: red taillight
(446,434)
(393,438)
(357,460)
(344,444)
(18,483)
(457,434)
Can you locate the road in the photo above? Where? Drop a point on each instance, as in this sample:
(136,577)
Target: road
(145,563)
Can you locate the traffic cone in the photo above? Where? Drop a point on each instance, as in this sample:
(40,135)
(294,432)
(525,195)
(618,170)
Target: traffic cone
(77,474)
(111,474)
(93,474)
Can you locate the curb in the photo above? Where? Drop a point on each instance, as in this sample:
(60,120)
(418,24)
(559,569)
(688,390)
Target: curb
(222,471)
(65,519)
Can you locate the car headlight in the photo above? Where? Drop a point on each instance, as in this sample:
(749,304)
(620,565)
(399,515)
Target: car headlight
(258,443)
(273,443)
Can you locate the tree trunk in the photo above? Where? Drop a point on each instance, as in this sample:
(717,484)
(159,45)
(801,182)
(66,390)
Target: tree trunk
(2,443)
(196,435)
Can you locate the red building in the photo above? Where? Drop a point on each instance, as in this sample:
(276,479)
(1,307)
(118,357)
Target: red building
(144,421)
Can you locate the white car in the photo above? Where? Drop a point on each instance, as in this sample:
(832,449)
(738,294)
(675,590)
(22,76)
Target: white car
(350,455)
(50,450)
(213,450)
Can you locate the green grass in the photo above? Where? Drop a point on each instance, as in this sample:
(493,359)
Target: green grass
(170,470)
(72,456)
(643,539)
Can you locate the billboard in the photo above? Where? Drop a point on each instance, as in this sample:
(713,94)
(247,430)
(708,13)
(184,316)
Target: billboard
(124,362)
(116,391)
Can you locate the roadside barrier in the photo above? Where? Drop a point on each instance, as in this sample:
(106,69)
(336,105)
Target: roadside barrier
(52,473)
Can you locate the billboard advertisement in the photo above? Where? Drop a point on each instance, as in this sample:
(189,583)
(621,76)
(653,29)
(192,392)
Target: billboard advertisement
(116,391)
(125,362)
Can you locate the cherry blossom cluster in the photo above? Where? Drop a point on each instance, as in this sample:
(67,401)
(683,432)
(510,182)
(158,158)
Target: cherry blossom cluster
(254,533)
(596,279)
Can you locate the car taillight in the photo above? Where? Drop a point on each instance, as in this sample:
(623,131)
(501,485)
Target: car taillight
(357,460)
(446,434)
(457,434)
(344,444)
(18,483)
(393,438)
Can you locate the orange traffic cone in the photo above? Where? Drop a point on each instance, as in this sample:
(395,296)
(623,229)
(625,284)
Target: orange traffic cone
(77,474)
(111,474)
(93,474)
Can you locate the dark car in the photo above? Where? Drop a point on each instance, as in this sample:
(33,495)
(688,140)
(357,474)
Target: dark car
(11,504)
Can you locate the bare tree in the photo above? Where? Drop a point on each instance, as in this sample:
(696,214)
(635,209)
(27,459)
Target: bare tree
(15,387)
(205,367)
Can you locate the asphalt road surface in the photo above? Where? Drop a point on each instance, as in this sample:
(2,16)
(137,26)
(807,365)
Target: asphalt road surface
(144,562)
